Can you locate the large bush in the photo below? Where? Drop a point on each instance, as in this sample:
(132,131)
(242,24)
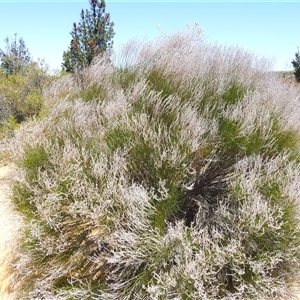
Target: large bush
(172,176)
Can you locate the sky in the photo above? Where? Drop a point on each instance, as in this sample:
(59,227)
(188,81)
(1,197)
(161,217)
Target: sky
(267,28)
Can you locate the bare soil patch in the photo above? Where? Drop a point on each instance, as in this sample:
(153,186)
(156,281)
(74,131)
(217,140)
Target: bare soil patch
(10,224)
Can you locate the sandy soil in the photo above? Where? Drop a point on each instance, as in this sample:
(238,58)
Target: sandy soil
(10,222)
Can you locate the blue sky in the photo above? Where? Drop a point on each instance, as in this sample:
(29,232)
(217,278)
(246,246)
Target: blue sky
(267,28)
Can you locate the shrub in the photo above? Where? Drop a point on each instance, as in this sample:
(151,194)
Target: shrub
(21,94)
(169,178)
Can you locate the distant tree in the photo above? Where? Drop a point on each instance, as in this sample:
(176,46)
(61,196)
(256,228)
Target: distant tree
(15,56)
(90,38)
(296,65)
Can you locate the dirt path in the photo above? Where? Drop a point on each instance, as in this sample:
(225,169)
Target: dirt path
(10,222)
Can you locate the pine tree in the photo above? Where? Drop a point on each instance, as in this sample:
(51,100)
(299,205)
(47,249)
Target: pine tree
(296,65)
(90,38)
(15,57)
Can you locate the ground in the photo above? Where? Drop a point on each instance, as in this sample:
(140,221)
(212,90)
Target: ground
(10,223)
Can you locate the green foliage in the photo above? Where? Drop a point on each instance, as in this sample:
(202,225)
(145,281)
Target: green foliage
(90,38)
(94,92)
(21,85)
(296,65)
(21,94)
(15,57)
(35,158)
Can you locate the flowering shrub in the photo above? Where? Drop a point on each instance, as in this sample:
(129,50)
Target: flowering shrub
(174,176)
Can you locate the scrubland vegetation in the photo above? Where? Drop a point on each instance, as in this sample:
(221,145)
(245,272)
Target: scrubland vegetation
(167,171)
(22,82)
(21,95)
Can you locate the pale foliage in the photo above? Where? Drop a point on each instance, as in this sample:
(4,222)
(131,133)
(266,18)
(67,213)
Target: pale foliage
(97,204)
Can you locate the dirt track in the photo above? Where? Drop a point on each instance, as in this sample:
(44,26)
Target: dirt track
(10,222)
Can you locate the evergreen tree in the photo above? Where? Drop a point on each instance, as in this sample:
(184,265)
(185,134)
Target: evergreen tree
(90,38)
(296,65)
(15,56)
